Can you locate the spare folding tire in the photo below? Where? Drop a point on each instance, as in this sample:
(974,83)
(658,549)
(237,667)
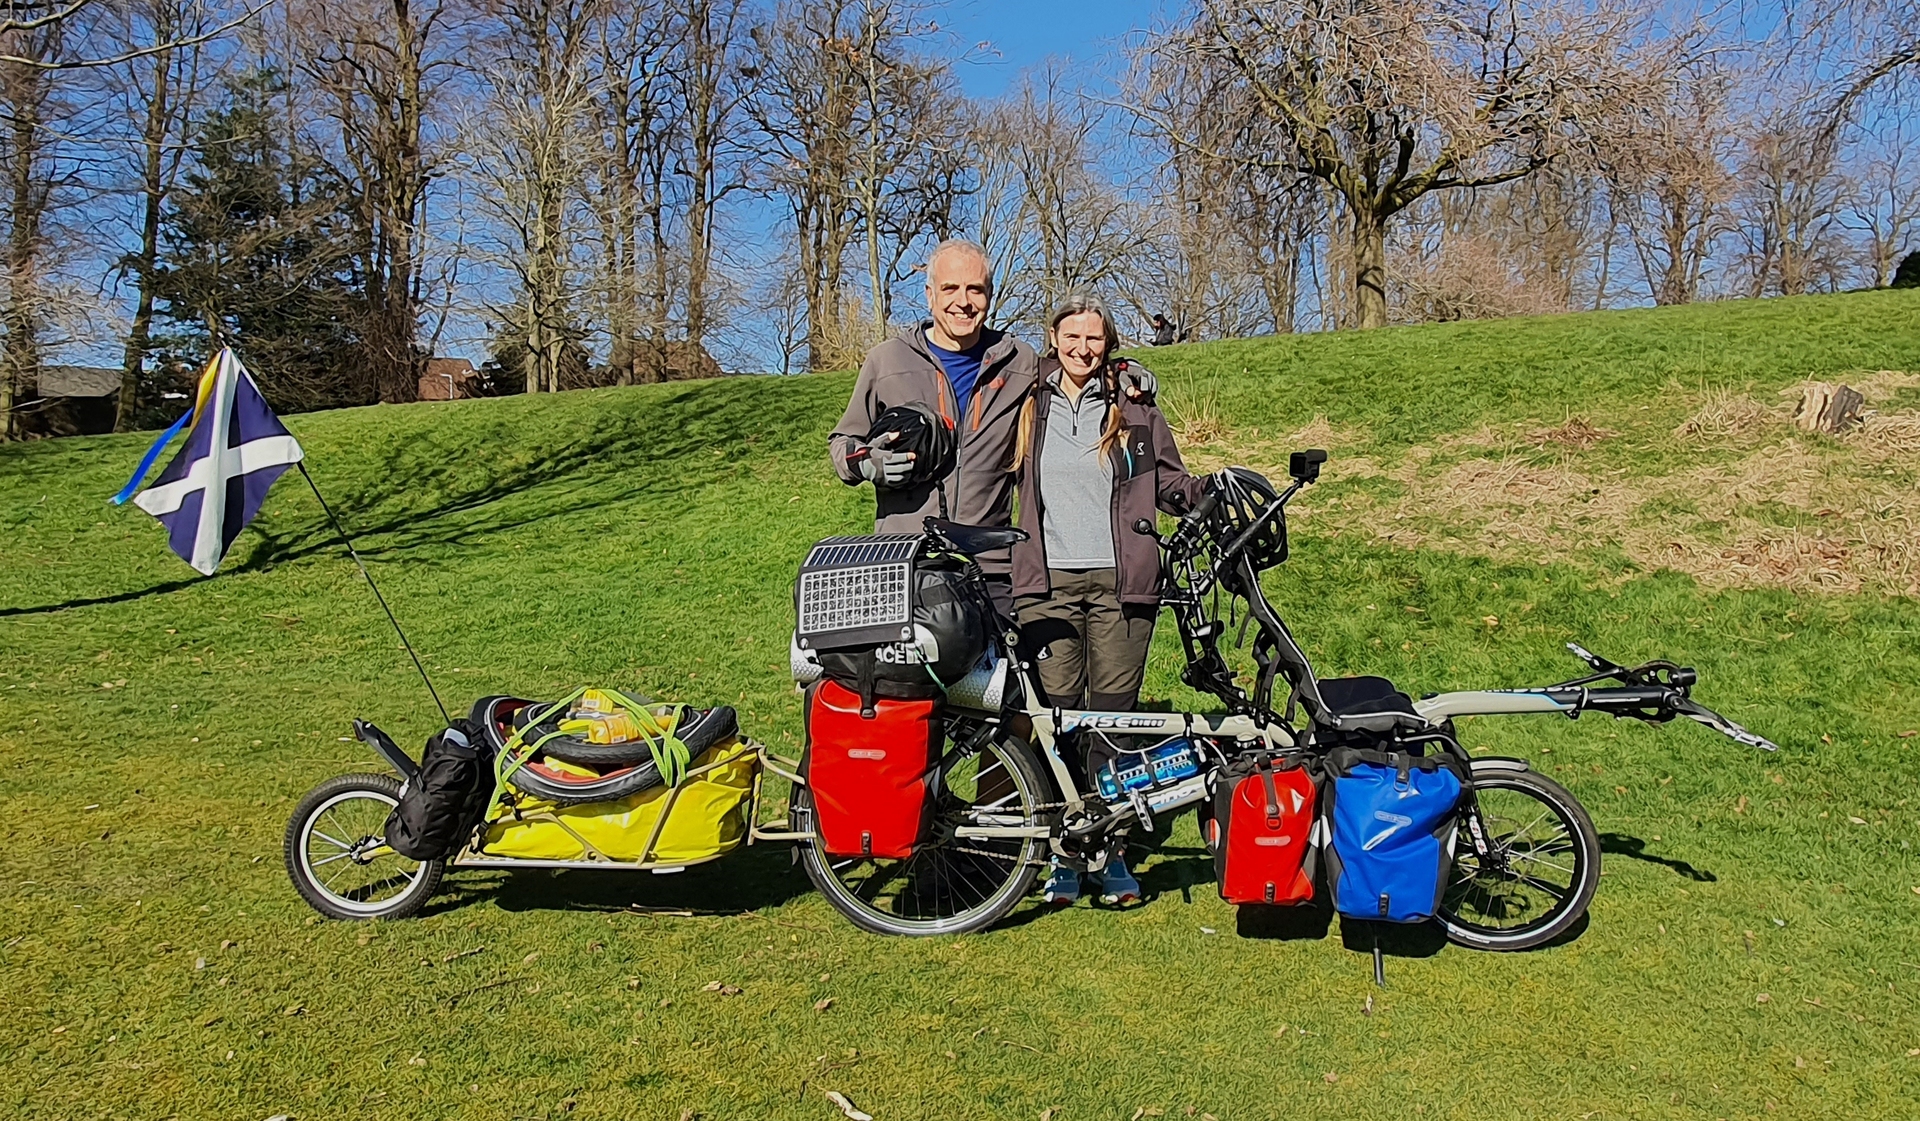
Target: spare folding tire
(575,790)
(498,716)
(699,729)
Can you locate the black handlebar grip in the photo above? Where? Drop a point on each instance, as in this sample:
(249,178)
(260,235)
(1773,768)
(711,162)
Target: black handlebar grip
(1204,508)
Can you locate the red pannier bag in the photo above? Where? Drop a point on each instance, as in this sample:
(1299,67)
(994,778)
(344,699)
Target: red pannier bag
(1261,832)
(869,776)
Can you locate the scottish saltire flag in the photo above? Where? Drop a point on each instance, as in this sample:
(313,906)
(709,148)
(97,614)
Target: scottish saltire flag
(235,450)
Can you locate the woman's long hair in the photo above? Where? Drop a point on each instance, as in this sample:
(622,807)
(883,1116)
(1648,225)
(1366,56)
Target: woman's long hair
(1078,302)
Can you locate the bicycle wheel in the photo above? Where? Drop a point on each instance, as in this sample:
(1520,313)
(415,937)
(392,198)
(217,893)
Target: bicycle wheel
(951,884)
(1539,871)
(337,854)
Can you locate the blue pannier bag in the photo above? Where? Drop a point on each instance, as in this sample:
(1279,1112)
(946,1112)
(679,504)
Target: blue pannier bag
(1392,817)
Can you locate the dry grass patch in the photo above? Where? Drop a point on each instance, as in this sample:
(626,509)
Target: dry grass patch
(1576,432)
(1791,511)
(1882,384)
(1891,432)
(1269,455)
(1729,415)
(1195,415)
(1794,515)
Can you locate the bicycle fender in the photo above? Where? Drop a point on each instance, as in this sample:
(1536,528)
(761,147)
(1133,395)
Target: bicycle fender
(1500,763)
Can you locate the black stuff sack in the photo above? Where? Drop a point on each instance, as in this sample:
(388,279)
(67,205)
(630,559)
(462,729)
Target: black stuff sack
(441,804)
(949,636)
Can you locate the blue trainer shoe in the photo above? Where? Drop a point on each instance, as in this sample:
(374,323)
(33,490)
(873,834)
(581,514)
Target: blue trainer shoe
(1063,886)
(1117,885)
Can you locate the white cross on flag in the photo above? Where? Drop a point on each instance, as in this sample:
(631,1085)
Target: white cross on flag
(234,452)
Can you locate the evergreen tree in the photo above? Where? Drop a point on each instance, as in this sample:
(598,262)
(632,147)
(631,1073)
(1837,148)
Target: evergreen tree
(1907,274)
(258,248)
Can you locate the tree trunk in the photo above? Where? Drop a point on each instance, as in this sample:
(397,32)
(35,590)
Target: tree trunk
(20,319)
(152,188)
(1369,269)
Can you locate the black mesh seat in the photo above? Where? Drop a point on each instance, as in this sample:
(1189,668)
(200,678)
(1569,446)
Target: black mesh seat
(1367,704)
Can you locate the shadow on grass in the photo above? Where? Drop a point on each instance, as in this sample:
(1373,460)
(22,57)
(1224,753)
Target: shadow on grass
(472,495)
(748,879)
(96,601)
(1304,922)
(423,492)
(1168,876)
(1621,844)
(1396,940)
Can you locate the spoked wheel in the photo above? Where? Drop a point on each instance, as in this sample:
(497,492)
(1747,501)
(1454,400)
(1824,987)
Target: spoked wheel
(338,857)
(958,881)
(1539,871)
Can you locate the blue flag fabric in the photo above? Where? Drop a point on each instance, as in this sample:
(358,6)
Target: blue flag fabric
(235,450)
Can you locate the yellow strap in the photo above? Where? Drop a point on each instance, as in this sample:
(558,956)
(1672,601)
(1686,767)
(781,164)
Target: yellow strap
(506,757)
(671,755)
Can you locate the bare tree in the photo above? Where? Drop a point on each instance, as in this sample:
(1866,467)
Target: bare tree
(706,68)
(161,91)
(1050,219)
(379,66)
(1667,164)
(805,103)
(29,16)
(634,118)
(530,149)
(1857,47)
(1790,206)
(1884,204)
(862,138)
(32,115)
(911,138)
(1387,101)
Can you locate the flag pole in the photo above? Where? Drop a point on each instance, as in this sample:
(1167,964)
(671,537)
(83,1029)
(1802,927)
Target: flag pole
(355,554)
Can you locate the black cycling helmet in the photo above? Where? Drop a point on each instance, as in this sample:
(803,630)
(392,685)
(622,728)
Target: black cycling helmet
(922,432)
(1241,496)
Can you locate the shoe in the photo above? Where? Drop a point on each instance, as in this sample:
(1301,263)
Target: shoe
(1117,885)
(1063,887)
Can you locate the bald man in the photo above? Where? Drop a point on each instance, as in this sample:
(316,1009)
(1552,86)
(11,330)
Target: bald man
(973,376)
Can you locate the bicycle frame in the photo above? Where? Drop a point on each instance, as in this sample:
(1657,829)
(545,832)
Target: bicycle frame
(1194,566)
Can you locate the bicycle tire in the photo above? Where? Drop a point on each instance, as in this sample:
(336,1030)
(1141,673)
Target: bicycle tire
(991,880)
(565,790)
(1479,890)
(698,729)
(322,891)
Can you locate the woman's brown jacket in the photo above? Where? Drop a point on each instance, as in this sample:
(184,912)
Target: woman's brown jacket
(1148,477)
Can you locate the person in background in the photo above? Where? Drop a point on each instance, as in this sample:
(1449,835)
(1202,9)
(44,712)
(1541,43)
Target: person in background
(1090,462)
(1163,332)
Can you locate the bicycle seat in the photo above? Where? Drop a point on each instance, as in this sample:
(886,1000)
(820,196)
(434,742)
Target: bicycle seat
(976,539)
(1367,704)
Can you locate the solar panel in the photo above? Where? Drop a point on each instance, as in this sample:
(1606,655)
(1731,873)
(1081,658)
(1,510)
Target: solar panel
(855,590)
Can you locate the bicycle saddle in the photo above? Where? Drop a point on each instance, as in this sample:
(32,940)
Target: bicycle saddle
(1367,704)
(976,539)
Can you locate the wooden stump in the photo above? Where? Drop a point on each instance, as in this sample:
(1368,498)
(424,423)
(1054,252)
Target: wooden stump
(1828,408)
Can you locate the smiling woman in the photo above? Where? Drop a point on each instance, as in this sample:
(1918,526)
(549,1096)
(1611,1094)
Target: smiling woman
(1092,461)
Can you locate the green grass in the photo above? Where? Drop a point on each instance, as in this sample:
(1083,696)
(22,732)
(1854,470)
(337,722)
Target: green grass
(156,729)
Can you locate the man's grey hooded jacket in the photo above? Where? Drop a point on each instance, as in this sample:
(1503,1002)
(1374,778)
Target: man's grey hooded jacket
(903,370)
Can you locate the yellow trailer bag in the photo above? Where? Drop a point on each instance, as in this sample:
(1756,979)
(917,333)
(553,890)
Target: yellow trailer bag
(707,817)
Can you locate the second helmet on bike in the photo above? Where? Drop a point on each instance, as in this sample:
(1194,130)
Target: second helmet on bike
(1242,496)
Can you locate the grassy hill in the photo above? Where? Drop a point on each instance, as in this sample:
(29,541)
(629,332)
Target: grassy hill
(1630,480)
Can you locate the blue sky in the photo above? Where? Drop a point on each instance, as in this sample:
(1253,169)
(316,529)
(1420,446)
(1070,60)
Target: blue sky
(1024,33)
